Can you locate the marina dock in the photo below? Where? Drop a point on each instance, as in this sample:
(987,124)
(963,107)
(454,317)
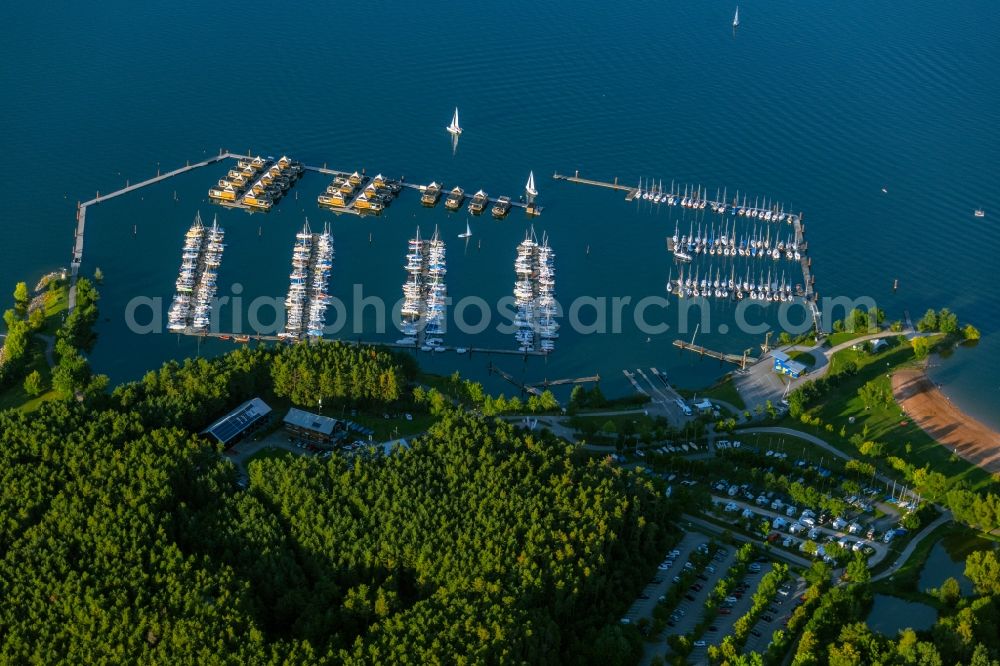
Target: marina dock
(740,360)
(631,191)
(723,209)
(593,379)
(81,214)
(257,337)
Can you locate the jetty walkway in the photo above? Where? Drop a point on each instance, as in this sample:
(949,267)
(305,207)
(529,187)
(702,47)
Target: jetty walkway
(81,213)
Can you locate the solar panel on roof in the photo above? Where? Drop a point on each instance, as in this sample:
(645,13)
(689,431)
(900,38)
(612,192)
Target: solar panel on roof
(236,423)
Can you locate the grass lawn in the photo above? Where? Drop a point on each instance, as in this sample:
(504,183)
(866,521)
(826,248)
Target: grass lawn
(622,421)
(394,426)
(835,339)
(884,423)
(56,303)
(805,358)
(15,397)
(269,452)
(721,390)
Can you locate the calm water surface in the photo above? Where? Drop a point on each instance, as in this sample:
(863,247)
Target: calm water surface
(818,105)
(890,615)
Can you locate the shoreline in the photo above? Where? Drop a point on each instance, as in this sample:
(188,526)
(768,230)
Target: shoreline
(928,406)
(938,372)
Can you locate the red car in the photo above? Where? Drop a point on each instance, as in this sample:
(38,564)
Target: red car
(725,611)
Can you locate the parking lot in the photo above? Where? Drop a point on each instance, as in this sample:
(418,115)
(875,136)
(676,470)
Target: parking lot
(644,605)
(693,610)
(725,621)
(779,611)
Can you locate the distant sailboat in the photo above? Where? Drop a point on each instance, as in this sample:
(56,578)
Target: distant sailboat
(736,20)
(530,187)
(468,231)
(979,212)
(454,127)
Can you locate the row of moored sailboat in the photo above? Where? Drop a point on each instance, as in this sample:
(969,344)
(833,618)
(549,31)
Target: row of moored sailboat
(308,298)
(191,308)
(534,295)
(761,288)
(727,243)
(698,199)
(425,292)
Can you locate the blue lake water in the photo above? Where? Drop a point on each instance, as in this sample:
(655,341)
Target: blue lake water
(816,105)
(890,615)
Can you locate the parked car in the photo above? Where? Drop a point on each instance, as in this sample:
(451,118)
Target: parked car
(689,597)
(700,643)
(766,618)
(755,633)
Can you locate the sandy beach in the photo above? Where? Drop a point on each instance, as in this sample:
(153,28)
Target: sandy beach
(941,419)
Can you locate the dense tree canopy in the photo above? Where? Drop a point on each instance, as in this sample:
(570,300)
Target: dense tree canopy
(125,539)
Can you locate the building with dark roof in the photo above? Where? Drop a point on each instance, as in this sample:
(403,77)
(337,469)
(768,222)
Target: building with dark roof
(238,423)
(313,427)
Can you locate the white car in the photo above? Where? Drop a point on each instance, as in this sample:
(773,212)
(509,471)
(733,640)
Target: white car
(663,567)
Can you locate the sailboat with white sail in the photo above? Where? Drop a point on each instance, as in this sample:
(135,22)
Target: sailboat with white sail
(454,127)
(468,231)
(736,20)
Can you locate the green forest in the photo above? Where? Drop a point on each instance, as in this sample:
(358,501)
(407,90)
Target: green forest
(126,539)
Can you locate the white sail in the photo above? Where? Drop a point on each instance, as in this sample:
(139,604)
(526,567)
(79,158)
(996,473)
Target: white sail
(530,187)
(736,18)
(468,231)
(454,127)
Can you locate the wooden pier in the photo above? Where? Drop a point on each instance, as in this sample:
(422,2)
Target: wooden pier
(593,379)
(631,191)
(808,279)
(525,388)
(81,214)
(740,360)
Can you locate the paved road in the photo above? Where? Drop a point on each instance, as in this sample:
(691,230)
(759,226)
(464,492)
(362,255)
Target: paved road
(813,439)
(774,430)
(881,550)
(50,345)
(760,383)
(716,529)
(905,554)
(724,623)
(643,608)
(693,610)
(241,452)
(785,605)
